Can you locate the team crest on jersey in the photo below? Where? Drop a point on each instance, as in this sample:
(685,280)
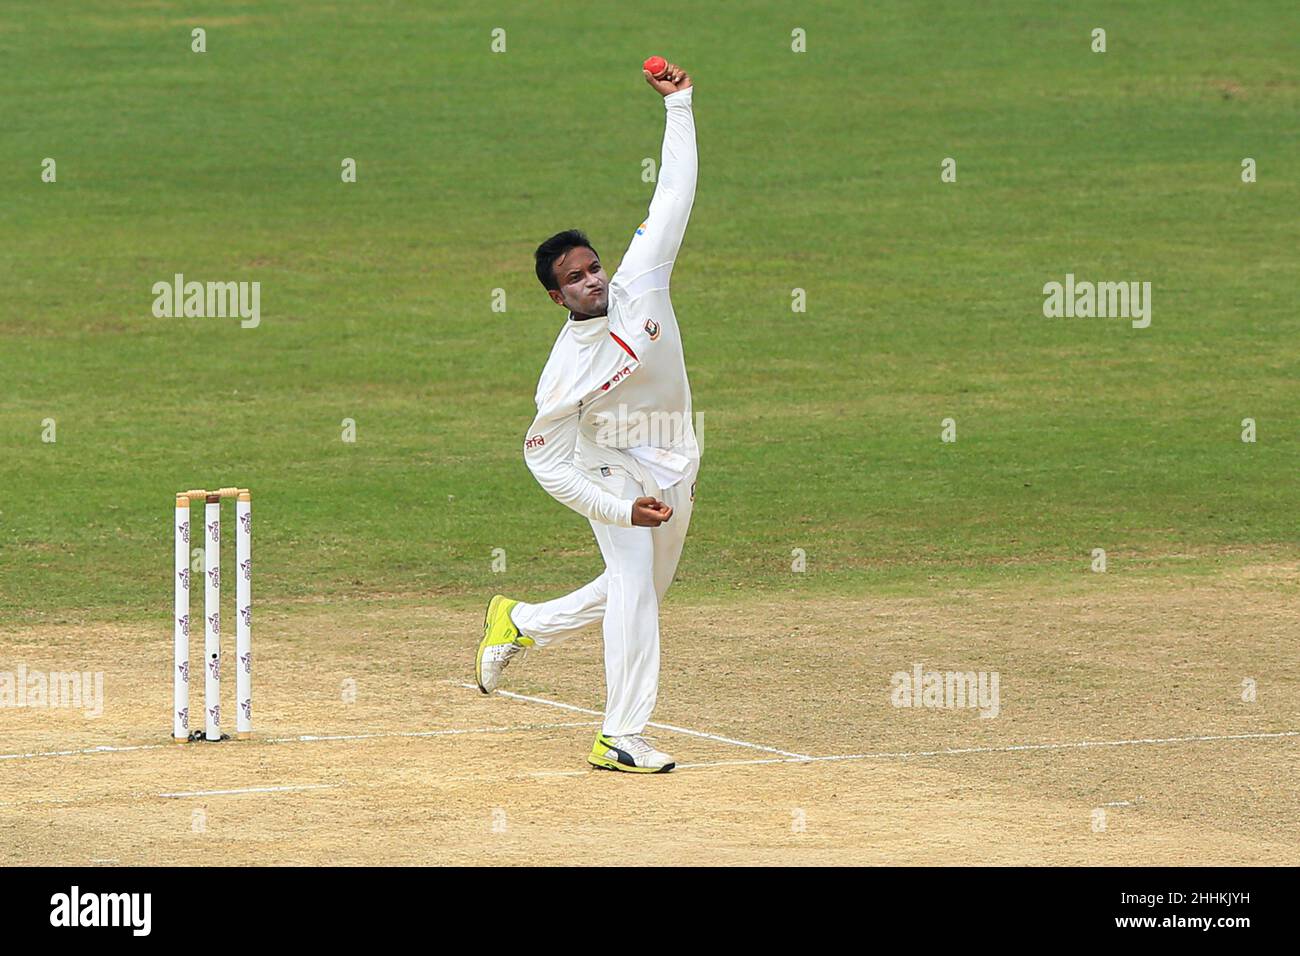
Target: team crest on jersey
(652,329)
(640,230)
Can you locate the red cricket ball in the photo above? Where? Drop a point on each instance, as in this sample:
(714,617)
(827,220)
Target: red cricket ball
(656,65)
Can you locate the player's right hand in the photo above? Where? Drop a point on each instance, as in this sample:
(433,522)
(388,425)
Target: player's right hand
(650,512)
(673,79)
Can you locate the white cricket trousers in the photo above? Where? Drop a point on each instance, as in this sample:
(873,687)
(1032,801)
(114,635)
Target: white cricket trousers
(639,565)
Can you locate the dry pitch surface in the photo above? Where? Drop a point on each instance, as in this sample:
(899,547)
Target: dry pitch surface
(1122,737)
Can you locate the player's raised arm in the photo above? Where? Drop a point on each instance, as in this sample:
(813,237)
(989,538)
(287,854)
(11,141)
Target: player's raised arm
(649,259)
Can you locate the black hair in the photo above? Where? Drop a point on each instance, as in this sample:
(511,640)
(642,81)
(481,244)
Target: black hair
(552,249)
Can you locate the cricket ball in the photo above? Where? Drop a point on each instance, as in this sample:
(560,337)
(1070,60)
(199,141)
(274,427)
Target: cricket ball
(655,66)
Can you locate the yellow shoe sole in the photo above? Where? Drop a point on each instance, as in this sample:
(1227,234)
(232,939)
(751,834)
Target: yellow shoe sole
(604,763)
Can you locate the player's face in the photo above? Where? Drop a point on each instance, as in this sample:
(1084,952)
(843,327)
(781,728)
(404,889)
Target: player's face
(584,287)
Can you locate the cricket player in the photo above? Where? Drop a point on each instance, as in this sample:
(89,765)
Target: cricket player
(614,440)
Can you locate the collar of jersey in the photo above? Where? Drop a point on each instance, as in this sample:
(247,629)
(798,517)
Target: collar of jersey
(589,330)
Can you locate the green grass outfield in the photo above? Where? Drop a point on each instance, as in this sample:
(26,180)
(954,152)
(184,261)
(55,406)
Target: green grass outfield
(817,170)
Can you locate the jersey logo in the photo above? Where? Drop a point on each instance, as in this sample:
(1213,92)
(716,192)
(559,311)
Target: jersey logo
(640,230)
(618,377)
(537,441)
(652,329)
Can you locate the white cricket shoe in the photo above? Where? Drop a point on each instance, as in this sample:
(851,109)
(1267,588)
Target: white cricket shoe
(628,752)
(501,642)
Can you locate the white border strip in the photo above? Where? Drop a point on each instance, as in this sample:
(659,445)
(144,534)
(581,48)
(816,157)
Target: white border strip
(102,749)
(784,756)
(304,738)
(1010,748)
(668,727)
(904,755)
(1075,745)
(312,738)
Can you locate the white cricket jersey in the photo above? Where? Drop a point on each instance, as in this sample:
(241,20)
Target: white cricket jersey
(614,393)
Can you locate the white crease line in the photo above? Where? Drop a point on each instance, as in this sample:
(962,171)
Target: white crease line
(896,755)
(1013,748)
(1010,748)
(310,738)
(784,758)
(305,738)
(102,749)
(222,793)
(729,740)
(668,727)
(742,763)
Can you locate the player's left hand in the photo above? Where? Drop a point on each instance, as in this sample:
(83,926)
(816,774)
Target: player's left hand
(650,512)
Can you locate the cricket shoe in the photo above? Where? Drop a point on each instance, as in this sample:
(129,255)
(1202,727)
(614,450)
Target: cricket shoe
(629,752)
(501,642)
